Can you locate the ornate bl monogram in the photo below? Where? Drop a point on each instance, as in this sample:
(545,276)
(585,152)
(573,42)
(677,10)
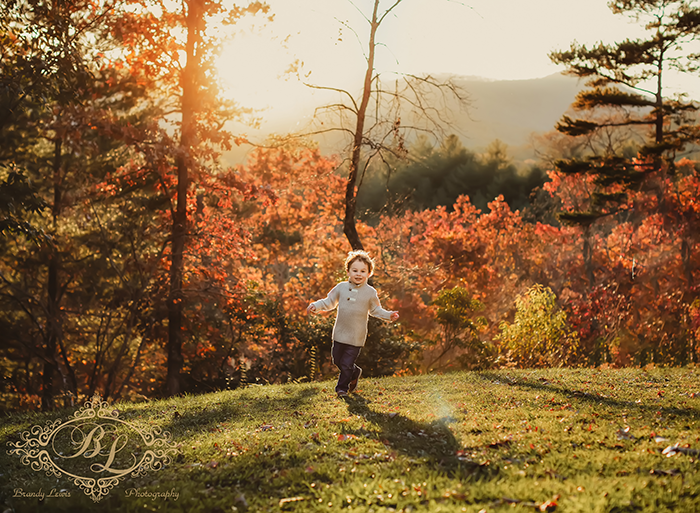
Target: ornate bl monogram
(95,448)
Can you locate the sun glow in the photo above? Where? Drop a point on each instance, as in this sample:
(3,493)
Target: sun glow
(263,67)
(327,39)
(254,70)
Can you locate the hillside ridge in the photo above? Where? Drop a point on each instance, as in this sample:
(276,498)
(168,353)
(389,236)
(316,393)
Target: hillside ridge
(508,110)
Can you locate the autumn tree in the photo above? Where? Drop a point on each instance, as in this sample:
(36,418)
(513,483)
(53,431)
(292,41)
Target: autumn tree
(23,81)
(18,200)
(74,121)
(188,87)
(294,254)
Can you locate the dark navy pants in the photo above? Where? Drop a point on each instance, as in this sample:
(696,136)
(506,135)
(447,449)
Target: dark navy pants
(344,356)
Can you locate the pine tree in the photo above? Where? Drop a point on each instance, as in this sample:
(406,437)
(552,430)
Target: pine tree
(625,89)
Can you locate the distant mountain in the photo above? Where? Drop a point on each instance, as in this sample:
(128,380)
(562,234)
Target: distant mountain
(509,110)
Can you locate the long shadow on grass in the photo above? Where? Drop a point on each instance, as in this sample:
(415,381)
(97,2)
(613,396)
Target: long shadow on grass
(240,407)
(429,443)
(592,398)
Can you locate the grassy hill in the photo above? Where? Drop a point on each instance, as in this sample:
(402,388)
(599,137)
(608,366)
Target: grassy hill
(564,440)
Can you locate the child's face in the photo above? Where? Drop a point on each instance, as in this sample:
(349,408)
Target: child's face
(358,272)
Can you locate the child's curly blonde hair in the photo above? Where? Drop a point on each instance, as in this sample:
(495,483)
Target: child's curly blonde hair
(362,256)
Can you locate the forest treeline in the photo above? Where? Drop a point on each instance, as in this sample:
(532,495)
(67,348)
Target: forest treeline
(133,264)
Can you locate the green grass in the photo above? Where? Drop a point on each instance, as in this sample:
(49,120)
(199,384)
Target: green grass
(585,440)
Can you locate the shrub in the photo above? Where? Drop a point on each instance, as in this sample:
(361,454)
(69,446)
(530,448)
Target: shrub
(539,336)
(455,312)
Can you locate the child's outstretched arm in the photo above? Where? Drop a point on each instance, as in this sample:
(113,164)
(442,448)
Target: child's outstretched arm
(376,310)
(325,304)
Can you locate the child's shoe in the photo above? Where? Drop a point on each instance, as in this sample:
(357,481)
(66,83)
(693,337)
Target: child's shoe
(353,384)
(342,394)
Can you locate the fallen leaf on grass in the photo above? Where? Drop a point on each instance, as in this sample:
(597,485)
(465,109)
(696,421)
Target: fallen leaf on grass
(554,475)
(624,434)
(674,449)
(662,472)
(342,438)
(549,505)
(288,500)
(462,454)
(466,457)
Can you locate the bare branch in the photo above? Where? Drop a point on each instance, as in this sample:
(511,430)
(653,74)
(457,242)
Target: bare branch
(337,90)
(388,11)
(334,106)
(359,10)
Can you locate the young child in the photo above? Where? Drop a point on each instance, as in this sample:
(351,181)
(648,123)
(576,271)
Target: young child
(356,301)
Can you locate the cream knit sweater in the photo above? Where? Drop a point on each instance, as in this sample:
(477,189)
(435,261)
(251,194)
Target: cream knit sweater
(355,305)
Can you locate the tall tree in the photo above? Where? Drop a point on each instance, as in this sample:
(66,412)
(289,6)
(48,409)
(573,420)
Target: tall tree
(626,82)
(377,113)
(48,87)
(188,88)
(629,76)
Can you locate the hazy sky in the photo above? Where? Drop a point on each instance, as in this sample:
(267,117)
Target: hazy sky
(495,39)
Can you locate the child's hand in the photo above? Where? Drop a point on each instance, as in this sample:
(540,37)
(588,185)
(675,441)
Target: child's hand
(394,316)
(311,308)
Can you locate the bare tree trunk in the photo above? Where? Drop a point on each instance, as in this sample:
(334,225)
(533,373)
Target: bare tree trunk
(387,119)
(349,227)
(53,324)
(659,99)
(588,257)
(195,20)
(121,353)
(54,335)
(47,375)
